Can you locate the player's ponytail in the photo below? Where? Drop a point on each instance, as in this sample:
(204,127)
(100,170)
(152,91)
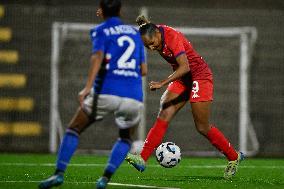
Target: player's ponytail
(145,26)
(142,20)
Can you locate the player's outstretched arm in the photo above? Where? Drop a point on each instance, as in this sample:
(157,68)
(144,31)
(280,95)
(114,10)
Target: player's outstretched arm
(95,65)
(182,69)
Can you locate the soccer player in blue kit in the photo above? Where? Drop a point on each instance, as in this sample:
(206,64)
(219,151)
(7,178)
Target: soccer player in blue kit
(114,85)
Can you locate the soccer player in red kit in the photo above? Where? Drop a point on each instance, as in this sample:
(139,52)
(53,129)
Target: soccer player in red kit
(191,81)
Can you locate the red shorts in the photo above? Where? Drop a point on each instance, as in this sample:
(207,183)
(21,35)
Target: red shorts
(201,90)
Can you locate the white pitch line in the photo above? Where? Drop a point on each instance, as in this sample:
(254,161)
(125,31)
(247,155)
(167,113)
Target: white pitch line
(103,165)
(110,183)
(140,186)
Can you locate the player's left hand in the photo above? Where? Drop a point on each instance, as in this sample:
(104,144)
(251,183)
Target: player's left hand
(155,85)
(82,95)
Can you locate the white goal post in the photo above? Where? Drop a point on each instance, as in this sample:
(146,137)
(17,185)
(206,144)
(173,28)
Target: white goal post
(247,37)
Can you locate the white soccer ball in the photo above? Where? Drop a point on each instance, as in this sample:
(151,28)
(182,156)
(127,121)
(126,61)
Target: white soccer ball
(168,154)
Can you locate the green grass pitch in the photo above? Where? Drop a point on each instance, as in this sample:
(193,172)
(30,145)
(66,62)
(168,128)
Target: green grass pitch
(23,171)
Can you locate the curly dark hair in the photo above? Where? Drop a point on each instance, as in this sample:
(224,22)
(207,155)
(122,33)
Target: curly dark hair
(110,8)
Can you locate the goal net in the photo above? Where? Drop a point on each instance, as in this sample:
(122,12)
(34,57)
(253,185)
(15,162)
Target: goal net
(228,52)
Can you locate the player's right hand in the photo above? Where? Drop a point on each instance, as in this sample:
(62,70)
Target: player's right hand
(82,95)
(153,85)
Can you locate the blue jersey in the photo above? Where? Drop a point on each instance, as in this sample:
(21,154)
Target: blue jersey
(123,55)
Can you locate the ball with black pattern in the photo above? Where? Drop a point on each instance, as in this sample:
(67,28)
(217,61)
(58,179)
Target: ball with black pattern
(168,154)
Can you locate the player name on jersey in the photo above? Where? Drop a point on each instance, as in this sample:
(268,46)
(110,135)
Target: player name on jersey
(120,29)
(123,54)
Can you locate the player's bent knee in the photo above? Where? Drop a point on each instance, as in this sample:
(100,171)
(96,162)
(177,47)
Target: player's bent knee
(72,132)
(80,121)
(166,114)
(203,128)
(125,135)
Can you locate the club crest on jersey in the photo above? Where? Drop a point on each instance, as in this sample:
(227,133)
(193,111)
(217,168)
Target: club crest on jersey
(195,89)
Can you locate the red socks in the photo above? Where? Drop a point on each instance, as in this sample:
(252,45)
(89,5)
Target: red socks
(218,140)
(157,132)
(154,138)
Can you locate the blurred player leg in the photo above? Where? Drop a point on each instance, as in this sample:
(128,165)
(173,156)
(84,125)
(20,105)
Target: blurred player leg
(70,141)
(118,154)
(127,117)
(67,148)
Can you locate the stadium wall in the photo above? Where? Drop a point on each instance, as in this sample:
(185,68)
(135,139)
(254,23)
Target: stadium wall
(30,23)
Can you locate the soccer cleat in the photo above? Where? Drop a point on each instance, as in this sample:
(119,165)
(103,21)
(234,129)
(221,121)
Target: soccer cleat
(54,180)
(232,166)
(102,183)
(137,161)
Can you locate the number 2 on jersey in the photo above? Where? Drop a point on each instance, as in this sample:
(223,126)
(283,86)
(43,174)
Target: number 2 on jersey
(122,61)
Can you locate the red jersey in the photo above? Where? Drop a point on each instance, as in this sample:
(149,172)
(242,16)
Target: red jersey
(175,44)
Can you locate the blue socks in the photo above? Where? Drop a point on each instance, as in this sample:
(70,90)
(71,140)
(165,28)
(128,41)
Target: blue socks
(118,154)
(67,148)
(69,145)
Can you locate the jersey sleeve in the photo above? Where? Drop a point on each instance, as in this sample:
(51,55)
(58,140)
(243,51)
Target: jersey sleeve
(98,40)
(175,43)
